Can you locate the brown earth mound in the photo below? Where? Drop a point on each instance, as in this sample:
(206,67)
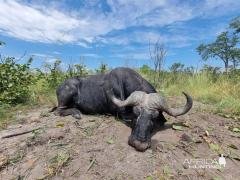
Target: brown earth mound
(95,147)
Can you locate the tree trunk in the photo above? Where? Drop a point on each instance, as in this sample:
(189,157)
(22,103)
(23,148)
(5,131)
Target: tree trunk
(226,66)
(234,63)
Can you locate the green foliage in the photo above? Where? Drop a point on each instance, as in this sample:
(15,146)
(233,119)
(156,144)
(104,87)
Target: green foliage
(46,82)
(212,72)
(145,69)
(235,24)
(54,75)
(79,70)
(224,48)
(209,86)
(103,68)
(179,68)
(176,67)
(15,80)
(189,70)
(210,69)
(2,43)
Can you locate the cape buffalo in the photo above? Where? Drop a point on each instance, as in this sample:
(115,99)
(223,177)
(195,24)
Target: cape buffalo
(121,92)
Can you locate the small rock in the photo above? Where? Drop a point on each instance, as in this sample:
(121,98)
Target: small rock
(56,135)
(33,119)
(221,123)
(185,166)
(186,137)
(179,171)
(198,141)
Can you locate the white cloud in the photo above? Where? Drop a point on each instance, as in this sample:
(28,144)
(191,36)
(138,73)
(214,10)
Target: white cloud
(144,37)
(92,55)
(49,23)
(165,15)
(220,7)
(28,23)
(83,44)
(56,52)
(131,55)
(46,58)
(51,60)
(40,55)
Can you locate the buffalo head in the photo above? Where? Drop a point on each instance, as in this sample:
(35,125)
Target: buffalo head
(146,108)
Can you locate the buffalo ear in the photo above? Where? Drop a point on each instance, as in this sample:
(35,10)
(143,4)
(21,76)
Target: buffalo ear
(109,93)
(107,88)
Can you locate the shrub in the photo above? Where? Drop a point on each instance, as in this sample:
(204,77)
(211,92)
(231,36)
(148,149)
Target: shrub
(55,75)
(79,70)
(14,81)
(103,68)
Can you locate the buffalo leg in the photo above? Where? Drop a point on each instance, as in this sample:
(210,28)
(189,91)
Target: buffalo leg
(74,112)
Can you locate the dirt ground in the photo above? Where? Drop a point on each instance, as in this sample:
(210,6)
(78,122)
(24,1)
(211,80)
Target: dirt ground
(95,147)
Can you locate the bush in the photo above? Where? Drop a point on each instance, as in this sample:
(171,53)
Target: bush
(103,68)
(79,70)
(55,75)
(14,81)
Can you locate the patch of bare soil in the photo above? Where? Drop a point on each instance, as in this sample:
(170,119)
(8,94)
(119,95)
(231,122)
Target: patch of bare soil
(95,147)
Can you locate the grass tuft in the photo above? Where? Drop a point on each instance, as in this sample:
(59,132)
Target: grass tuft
(222,92)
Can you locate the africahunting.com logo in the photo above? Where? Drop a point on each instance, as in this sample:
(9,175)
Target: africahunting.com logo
(205,163)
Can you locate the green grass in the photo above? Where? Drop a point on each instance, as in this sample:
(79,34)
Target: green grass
(57,162)
(8,113)
(222,92)
(41,95)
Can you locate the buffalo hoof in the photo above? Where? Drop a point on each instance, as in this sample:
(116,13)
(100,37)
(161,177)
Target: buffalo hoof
(138,145)
(77,116)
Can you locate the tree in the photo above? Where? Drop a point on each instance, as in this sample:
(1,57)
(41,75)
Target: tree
(210,69)
(2,43)
(211,72)
(176,67)
(235,54)
(158,55)
(189,70)
(235,24)
(145,69)
(224,48)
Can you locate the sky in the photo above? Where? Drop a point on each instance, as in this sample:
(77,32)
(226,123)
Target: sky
(116,32)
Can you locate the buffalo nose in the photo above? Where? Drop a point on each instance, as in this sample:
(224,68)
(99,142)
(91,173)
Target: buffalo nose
(138,145)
